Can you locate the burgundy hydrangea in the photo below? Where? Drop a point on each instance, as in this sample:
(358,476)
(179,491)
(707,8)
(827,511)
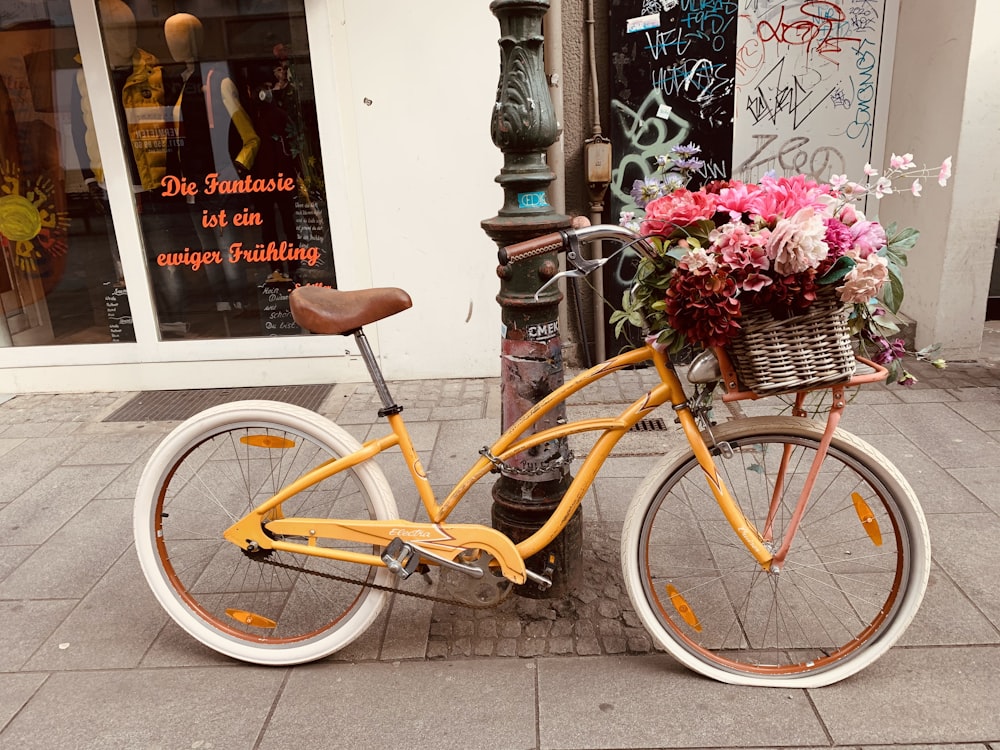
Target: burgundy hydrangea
(703,306)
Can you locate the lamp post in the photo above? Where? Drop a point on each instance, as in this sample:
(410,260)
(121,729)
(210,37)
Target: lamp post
(523,127)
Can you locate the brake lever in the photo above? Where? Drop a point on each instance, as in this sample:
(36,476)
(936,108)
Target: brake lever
(582,266)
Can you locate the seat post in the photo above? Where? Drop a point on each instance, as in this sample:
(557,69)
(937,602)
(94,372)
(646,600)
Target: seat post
(389,406)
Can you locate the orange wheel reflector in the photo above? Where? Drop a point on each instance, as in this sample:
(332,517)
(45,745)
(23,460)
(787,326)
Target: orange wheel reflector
(267,441)
(681,605)
(867,519)
(249,618)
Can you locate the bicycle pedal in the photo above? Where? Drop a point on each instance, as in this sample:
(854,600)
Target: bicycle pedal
(425,570)
(543,580)
(400,558)
(550,567)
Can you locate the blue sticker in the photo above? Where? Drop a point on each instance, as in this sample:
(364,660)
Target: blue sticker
(532,200)
(642,23)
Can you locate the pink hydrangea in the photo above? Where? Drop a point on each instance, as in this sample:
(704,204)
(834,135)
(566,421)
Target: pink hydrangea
(754,282)
(865,280)
(730,236)
(698,262)
(740,248)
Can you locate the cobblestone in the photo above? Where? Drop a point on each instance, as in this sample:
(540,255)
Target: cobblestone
(597,618)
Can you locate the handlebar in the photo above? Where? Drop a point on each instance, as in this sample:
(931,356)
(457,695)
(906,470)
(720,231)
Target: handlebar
(565,239)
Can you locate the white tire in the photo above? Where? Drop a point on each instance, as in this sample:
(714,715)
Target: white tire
(852,582)
(213,469)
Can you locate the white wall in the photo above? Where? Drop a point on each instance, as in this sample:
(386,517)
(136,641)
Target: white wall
(944,103)
(419,93)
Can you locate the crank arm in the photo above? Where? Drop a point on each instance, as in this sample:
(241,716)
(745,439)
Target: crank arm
(470,570)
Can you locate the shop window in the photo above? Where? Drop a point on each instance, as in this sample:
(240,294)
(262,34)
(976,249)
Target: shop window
(60,282)
(218,118)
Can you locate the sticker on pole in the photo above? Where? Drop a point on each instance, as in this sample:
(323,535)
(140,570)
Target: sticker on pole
(532,200)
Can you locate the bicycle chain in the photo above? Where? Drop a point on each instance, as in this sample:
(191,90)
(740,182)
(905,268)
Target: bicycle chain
(380,587)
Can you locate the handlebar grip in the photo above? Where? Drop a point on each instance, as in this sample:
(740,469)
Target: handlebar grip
(546,243)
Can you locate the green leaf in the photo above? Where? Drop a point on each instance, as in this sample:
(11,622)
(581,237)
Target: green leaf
(906,239)
(892,291)
(839,270)
(885,327)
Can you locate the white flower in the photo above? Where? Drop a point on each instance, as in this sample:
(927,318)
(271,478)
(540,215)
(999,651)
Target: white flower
(698,260)
(796,244)
(883,187)
(902,162)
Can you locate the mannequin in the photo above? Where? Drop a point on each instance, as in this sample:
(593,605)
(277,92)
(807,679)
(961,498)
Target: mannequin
(138,79)
(138,83)
(275,158)
(185,40)
(205,112)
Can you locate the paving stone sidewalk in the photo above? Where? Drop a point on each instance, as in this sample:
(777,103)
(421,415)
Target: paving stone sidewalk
(89,660)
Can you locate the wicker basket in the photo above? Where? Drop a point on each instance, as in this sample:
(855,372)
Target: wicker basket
(806,351)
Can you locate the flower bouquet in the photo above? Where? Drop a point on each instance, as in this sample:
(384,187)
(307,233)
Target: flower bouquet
(732,254)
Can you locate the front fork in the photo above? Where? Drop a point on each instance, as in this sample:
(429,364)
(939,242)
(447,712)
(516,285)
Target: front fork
(832,420)
(752,539)
(760,544)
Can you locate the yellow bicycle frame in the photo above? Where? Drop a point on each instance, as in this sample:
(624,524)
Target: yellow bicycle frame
(450,540)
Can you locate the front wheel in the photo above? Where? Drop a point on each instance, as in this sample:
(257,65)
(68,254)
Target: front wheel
(263,606)
(851,583)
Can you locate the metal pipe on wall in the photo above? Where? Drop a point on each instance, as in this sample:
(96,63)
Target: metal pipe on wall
(555,155)
(596,212)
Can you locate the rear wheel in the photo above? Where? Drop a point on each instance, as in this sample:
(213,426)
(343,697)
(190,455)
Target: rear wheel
(210,472)
(852,581)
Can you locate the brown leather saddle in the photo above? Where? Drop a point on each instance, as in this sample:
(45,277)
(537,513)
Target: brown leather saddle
(320,309)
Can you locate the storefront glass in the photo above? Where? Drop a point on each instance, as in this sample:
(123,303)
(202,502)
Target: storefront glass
(218,117)
(60,279)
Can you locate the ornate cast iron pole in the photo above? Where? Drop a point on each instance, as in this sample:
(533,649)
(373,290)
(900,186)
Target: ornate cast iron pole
(523,127)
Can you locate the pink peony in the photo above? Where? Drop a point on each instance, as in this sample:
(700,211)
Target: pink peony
(838,237)
(865,280)
(796,244)
(869,237)
(677,209)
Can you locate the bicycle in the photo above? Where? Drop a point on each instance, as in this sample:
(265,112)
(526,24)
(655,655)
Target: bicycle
(772,551)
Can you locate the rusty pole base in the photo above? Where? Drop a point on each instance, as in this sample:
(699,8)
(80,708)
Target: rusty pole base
(519,520)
